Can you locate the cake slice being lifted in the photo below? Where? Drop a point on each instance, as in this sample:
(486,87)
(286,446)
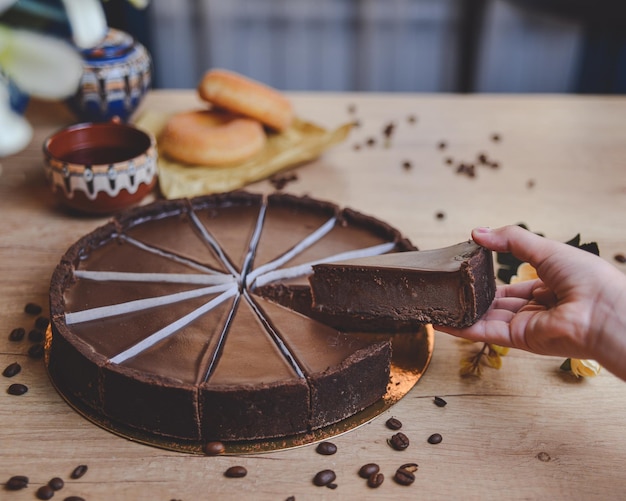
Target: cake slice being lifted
(451,286)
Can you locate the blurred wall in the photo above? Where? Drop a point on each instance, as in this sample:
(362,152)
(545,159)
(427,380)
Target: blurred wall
(381,45)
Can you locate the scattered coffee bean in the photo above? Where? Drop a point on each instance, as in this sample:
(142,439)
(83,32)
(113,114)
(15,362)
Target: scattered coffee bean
(12,370)
(36,336)
(324,478)
(449,160)
(367,470)
(74,498)
(495,137)
(17,389)
(440,402)
(399,441)
(45,492)
(56,483)
(42,323)
(32,309)
(435,438)
(332,486)
(79,471)
(16,483)
(375,480)
(326,448)
(404,477)
(440,215)
(412,467)
(36,351)
(406,165)
(370,142)
(291,498)
(213,448)
(442,145)
(236,472)
(388,130)
(393,423)
(411,119)
(620,258)
(17,334)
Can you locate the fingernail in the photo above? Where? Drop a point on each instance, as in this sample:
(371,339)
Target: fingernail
(482,229)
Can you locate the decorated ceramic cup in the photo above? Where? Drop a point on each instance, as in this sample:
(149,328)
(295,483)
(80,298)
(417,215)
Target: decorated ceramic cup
(117,73)
(100,168)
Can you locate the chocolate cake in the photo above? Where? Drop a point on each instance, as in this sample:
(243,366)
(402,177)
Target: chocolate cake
(159,322)
(451,286)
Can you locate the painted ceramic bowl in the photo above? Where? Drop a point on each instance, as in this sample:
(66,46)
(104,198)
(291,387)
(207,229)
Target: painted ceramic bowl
(117,74)
(100,168)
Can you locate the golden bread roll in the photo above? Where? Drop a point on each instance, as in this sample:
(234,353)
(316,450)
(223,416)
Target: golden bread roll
(211,137)
(248,97)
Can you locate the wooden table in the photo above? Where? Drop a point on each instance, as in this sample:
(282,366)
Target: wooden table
(527,431)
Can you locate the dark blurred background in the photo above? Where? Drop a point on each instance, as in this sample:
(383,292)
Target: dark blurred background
(516,46)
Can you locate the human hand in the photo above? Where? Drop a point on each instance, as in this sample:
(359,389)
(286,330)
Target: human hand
(576,308)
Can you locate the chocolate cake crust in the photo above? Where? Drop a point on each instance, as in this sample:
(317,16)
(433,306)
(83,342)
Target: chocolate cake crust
(159,323)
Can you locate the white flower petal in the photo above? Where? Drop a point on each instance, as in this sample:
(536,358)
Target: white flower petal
(87,20)
(6,4)
(16,131)
(40,65)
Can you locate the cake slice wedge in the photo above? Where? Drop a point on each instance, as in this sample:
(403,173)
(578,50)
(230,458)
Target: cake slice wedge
(451,286)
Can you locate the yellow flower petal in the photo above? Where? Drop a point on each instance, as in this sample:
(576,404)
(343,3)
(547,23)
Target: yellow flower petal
(584,368)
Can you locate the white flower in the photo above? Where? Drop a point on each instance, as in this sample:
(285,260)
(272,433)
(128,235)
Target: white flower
(584,368)
(39,65)
(16,132)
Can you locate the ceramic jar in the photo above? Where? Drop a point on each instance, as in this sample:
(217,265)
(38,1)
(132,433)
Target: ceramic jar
(117,74)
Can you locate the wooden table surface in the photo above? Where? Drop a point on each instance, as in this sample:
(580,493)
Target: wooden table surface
(526,431)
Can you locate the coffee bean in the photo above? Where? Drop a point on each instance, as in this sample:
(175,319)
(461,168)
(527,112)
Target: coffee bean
(56,483)
(324,477)
(393,423)
(214,448)
(440,215)
(404,477)
(495,137)
(17,389)
(291,498)
(440,402)
(42,323)
(12,370)
(399,441)
(17,334)
(326,448)
(435,438)
(79,471)
(36,336)
(236,472)
(412,467)
(36,351)
(32,309)
(45,492)
(375,480)
(16,483)
(442,145)
(367,470)
(620,258)
(406,165)
(74,498)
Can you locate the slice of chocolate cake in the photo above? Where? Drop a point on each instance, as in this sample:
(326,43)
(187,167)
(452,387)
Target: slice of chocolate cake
(451,286)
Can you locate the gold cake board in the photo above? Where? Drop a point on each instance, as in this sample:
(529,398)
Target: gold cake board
(411,355)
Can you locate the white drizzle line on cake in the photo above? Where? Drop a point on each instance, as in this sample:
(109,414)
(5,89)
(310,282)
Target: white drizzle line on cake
(170,329)
(279,342)
(178,278)
(294,251)
(142,304)
(254,241)
(160,252)
(212,243)
(307,268)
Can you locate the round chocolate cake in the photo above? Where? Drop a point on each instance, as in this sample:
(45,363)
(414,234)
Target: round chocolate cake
(192,320)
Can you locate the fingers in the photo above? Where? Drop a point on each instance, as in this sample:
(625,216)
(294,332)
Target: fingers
(523,244)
